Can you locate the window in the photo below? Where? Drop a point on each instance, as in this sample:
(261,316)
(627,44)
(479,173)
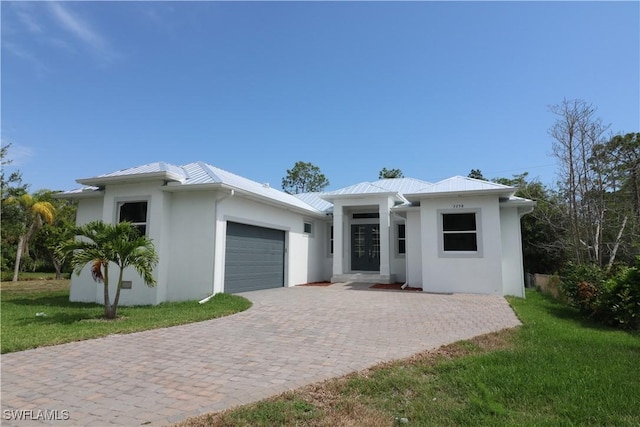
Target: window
(401,238)
(331,240)
(459,232)
(308,228)
(135,213)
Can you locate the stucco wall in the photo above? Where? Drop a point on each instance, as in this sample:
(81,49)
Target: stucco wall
(512,269)
(191,223)
(466,273)
(414,249)
(83,287)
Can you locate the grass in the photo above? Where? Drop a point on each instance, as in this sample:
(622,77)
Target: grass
(23,328)
(555,370)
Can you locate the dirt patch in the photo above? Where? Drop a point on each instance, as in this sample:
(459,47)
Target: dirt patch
(317,284)
(394,286)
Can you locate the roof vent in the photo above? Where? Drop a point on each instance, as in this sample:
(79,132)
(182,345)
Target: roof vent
(266,185)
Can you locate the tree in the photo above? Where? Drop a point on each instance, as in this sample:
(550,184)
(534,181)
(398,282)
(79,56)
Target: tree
(10,214)
(543,230)
(304,177)
(575,134)
(51,235)
(390,173)
(33,213)
(101,245)
(14,178)
(476,174)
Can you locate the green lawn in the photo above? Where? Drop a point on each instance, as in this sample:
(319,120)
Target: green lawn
(555,370)
(63,321)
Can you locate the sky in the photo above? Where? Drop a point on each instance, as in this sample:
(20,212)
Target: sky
(432,88)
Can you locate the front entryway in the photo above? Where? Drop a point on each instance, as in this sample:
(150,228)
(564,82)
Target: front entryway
(365,247)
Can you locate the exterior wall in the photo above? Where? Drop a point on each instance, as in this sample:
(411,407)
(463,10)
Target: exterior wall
(512,262)
(192,222)
(327,263)
(304,253)
(465,273)
(83,287)
(157,230)
(414,249)
(397,262)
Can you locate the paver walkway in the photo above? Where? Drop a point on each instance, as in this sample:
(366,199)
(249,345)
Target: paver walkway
(289,338)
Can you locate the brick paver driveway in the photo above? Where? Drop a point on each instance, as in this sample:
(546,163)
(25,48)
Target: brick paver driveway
(289,338)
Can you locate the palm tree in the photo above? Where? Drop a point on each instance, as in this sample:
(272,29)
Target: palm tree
(103,244)
(35,213)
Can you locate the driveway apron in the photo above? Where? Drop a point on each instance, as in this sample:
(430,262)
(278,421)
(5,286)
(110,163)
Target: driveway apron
(289,338)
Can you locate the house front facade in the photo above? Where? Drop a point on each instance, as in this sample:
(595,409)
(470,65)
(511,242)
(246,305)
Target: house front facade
(215,231)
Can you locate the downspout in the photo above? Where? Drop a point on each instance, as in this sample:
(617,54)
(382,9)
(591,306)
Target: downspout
(215,247)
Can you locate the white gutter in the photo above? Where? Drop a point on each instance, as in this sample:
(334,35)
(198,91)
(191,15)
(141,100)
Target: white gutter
(215,247)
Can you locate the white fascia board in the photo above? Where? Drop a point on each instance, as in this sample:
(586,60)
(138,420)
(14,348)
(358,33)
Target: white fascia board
(440,194)
(122,179)
(88,193)
(359,196)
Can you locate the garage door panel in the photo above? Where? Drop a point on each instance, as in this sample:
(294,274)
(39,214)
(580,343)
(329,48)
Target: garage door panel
(254,258)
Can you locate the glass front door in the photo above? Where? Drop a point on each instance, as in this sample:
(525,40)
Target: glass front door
(365,247)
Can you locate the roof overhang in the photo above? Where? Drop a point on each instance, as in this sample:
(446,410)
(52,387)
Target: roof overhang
(101,181)
(361,196)
(80,193)
(441,194)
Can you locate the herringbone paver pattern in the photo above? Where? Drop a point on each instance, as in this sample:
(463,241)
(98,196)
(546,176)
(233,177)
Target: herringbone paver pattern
(289,338)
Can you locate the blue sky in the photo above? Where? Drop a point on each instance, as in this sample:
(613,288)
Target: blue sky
(432,88)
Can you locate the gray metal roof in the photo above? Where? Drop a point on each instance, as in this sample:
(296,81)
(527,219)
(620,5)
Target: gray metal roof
(192,174)
(463,184)
(401,185)
(200,173)
(315,200)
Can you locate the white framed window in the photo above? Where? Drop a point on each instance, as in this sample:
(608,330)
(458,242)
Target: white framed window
(401,239)
(330,240)
(459,234)
(134,212)
(308,228)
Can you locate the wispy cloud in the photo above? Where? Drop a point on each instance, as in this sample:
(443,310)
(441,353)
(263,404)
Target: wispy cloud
(25,55)
(82,30)
(29,22)
(18,154)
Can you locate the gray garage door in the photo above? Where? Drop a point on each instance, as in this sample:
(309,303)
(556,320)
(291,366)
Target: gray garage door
(254,258)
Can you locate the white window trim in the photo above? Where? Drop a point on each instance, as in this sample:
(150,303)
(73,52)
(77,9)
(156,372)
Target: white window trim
(397,239)
(460,254)
(120,201)
(330,240)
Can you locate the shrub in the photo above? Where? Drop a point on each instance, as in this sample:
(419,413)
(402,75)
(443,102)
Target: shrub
(619,303)
(614,301)
(581,283)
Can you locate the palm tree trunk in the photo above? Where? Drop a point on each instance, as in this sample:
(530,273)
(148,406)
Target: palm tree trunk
(117,298)
(16,269)
(108,312)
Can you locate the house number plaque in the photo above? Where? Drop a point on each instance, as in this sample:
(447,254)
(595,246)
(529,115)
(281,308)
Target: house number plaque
(458,206)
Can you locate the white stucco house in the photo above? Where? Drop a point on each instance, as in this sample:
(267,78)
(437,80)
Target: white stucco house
(215,231)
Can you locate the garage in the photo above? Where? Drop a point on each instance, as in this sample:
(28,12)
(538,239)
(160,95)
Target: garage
(254,258)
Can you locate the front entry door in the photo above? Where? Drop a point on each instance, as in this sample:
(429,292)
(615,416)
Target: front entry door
(365,247)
